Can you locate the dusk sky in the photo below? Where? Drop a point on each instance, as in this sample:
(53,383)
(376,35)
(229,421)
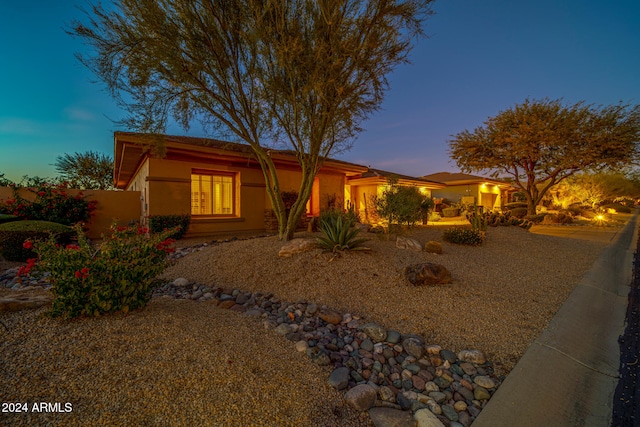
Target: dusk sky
(480,57)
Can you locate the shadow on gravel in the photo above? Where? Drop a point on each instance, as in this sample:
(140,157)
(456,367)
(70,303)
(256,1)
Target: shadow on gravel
(626,400)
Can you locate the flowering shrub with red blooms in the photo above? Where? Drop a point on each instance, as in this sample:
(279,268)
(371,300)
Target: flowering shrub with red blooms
(52,203)
(117,276)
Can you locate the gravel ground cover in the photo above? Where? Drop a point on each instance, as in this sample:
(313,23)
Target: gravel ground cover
(176,363)
(191,363)
(503,295)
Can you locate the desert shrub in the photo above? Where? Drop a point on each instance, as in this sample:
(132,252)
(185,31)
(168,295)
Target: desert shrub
(463,236)
(560,218)
(116,277)
(574,210)
(450,212)
(8,218)
(52,203)
(159,223)
(618,207)
(478,220)
(337,234)
(401,204)
(434,217)
(14,234)
(519,212)
(535,219)
(515,205)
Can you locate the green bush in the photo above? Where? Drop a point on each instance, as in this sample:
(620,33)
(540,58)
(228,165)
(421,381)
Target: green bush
(463,236)
(515,205)
(338,235)
(560,218)
(116,277)
(618,207)
(8,218)
(401,204)
(159,223)
(333,213)
(535,219)
(52,203)
(14,234)
(450,212)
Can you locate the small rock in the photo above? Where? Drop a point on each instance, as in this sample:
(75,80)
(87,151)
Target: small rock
(468,368)
(386,394)
(449,412)
(339,378)
(433,349)
(481,393)
(388,417)
(460,406)
(366,345)
(311,309)
(181,282)
(376,332)
(403,401)
(330,316)
(484,381)
(393,337)
(283,329)
(472,356)
(302,346)
(438,396)
(425,418)
(413,346)
(448,355)
(361,397)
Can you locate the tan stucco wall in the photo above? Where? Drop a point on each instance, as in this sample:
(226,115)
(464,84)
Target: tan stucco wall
(119,206)
(361,196)
(456,192)
(169,184)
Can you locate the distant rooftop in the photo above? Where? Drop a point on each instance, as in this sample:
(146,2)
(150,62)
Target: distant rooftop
(459,178)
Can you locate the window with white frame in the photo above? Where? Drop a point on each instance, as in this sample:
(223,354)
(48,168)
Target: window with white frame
(212,193)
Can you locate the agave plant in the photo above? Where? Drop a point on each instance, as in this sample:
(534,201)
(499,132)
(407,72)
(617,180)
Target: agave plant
(339,236)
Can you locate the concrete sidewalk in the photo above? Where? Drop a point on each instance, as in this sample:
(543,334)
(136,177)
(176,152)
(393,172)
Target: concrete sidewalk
(598,234)
(569,374)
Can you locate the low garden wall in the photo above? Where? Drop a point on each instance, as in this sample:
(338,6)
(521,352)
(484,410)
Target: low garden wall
(119,206)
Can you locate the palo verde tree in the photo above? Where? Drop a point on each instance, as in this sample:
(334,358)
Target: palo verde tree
(299,73)
(540,143)
(90,170)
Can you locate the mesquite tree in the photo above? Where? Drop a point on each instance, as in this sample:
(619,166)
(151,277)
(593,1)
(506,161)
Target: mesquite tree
(540,143)
(299,73)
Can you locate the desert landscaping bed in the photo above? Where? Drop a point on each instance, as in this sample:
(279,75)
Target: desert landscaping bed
(191,363)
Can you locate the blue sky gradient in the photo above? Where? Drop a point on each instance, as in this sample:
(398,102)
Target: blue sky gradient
(480,57)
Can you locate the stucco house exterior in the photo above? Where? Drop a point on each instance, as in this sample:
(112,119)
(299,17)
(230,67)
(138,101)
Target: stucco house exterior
(221,184)
(462,187)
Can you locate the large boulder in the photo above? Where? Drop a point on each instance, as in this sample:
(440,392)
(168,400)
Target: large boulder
(408,243)
(296,246)
(361,398)
(427,274)
(24,299)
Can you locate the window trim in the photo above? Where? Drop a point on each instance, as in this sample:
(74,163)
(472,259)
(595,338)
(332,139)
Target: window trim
(212,172)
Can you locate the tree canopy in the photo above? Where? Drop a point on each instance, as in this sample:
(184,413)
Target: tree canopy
(301,73)
(539,143)
(90,170)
